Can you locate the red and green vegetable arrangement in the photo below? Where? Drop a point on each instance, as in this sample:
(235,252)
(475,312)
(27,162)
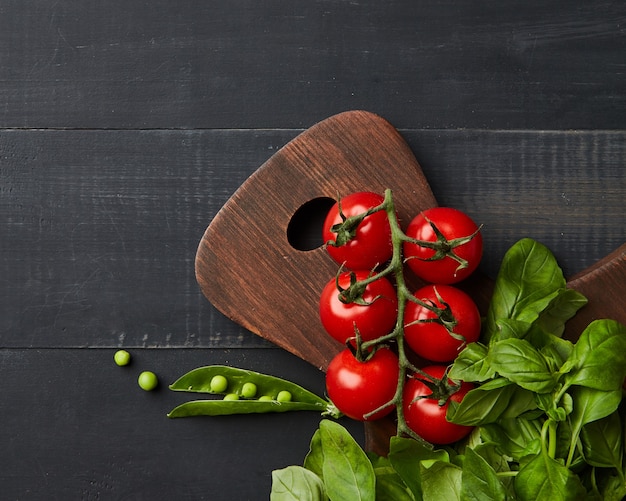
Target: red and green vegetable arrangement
(504,408)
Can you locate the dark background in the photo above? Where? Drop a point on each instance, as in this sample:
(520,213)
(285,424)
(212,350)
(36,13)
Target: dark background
(124,127)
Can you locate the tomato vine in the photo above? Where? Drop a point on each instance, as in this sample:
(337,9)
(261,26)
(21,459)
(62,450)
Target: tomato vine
(395,268)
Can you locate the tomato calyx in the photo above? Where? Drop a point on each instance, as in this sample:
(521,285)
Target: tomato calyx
(442,246)
(362,352)
(346,230)
(441,388)
(353,294)
(443,316)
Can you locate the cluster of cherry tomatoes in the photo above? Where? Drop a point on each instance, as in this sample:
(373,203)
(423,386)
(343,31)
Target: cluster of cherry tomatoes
(366,308)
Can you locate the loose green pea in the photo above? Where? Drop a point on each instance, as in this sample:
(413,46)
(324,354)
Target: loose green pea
(147,380)
(122,357)
(248,390)
(283,396)
(218,384)
(265,398)
(231,396)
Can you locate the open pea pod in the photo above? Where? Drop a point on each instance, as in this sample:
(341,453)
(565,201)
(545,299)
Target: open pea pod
(267,397)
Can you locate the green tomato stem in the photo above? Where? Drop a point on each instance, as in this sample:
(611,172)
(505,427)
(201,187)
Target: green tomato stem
(396,267)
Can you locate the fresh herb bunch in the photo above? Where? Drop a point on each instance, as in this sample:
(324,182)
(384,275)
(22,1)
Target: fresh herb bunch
(548,415)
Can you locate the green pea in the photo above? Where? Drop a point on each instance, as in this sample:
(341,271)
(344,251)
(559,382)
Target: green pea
(231,396)
(265,398)
(248,390)
(218,384)
(283,396)
(147,380)
(122,357)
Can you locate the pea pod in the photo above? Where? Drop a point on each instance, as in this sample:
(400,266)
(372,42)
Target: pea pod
(199,381)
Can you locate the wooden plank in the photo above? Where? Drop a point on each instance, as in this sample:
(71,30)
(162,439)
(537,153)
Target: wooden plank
(565,189)
(100,228)
(101,233)
(79,427)
(247,64)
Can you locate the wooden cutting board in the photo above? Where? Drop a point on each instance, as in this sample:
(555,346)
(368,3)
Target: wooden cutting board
(253,266)
(246,264)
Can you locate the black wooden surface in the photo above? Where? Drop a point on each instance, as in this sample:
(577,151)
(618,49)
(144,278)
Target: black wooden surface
(124,126)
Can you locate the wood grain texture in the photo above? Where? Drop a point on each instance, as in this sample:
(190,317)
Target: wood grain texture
(100,228)
(124,127)
(271,287)
(290,64)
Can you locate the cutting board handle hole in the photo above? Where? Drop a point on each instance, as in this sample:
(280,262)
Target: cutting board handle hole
(304,231)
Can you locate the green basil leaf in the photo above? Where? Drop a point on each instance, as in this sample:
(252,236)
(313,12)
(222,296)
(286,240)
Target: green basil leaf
(389,485)
(591,404)
(555,349)
(602,442)
(484,404)
(529,279)
(546,402)
(471,364)
(521,363)
(491,453)
(545,478)
(521,402)
(563,307)
(598,359)
(296,483)
(441,480)
(515,437)
(508,328)
(479,481)
(613,489)
(314,460)
(348,472)
(405,455)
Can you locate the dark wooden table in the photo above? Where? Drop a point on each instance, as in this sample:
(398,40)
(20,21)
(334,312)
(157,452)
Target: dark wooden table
(126,125)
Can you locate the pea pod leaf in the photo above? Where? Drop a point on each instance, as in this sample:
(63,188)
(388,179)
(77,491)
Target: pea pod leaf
(348,473)
(295,483)
(199,381)
(231,407)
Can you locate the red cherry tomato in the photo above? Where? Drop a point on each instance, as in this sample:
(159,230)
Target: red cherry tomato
(359,388)
(428,337)
(370,244)
(425,416)
(373,320)
(452,224)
